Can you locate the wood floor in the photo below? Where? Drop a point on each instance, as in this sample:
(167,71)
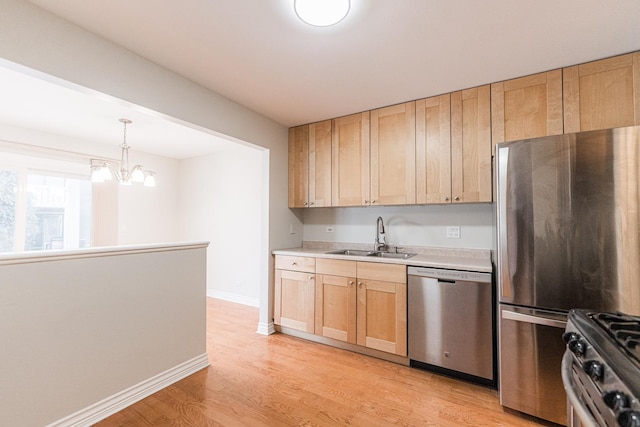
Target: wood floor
(279,380)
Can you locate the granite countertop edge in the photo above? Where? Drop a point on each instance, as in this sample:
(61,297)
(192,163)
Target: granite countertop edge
(478,260)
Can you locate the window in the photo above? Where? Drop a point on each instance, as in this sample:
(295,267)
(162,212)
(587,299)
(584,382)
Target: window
(43,210)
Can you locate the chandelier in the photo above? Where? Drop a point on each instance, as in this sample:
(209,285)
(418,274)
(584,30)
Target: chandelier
(104,171)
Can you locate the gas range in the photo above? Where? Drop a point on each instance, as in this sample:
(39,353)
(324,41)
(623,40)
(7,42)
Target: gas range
(601,369)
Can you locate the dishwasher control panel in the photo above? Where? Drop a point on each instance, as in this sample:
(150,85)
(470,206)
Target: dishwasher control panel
(439,273)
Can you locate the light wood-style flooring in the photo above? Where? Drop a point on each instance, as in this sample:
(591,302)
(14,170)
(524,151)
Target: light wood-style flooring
(278,380)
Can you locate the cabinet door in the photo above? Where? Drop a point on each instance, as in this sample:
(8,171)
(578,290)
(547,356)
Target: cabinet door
(336,307)
(433,149)
(298,166)
(350,154)
(320,164)
(393,150)
(602,94)
(528,107)
(382,316)
(294,305)
(471,145)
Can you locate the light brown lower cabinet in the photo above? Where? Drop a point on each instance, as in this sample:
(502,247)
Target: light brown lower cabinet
(294,303)
(362,303)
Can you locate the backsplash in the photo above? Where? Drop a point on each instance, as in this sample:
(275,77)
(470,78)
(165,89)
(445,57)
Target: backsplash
(424,225)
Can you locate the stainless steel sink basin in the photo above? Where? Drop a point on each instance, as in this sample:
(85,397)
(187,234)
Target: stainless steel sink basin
(352,252)
(379,254)
(395,255)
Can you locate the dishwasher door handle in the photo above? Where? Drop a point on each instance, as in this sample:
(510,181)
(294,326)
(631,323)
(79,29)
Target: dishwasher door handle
(536,320)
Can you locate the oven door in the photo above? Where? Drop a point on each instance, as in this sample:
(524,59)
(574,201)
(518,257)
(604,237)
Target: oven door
(578,415)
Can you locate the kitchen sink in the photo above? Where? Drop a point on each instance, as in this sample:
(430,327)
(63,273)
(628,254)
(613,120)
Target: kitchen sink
(396,255)
(352,252)
(379,254)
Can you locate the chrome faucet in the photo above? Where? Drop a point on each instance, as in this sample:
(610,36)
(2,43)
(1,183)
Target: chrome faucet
(380,244)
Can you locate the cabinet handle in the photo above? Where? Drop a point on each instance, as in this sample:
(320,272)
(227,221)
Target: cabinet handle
(350,282)
(364,202)
(373,201)
(294,263)
(311,204)
(360,284)
(457,199)
(446,199)
(305,203)
(311,277)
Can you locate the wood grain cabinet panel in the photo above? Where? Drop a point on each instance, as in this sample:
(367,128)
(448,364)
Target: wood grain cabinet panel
(602,94)
(320,164)
(527,107)
(294,299)
(382,307)
(310,165)
(382,316)
(350,183)
(471,148)
(393,146)
(298,166)
(336,299)
(363,303)
(433,149)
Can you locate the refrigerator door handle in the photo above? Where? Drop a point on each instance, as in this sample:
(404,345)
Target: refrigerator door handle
(537,320)
(504,279)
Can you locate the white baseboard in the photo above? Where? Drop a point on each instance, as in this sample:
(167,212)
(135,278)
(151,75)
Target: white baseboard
(240,299)
(266,328)
(117,402)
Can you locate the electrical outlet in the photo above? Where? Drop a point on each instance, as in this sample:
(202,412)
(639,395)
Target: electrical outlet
(291,229)
(453,232)
(329,229)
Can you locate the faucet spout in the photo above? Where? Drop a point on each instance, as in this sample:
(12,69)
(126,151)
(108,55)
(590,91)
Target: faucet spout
(380,244)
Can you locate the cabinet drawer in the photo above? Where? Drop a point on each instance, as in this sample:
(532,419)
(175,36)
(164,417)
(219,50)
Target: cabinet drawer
(336,267)
(296,263)
(383,272)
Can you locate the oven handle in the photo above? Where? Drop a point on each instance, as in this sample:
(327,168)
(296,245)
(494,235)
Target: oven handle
(577,414)
(537,320)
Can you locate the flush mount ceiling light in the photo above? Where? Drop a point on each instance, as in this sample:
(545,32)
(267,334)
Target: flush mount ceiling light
(321,13)
(103,171)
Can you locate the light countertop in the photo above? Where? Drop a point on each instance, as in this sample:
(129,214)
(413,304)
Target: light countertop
(454,259)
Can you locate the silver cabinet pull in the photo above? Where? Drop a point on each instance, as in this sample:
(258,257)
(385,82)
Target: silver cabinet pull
(373,201)
(457,199)
(446,199)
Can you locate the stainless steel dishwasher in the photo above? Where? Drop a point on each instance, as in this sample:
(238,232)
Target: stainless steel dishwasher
(450,325)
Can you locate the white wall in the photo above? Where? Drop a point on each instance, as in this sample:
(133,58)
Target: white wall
(84,331)
(44,42)
(404,225)
(150,214)
(219,202)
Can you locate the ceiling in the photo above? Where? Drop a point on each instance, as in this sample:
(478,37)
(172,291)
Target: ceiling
(259,54)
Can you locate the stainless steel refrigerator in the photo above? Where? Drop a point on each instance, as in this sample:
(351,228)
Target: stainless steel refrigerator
(568,237)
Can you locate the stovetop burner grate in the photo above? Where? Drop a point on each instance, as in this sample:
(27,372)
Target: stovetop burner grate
(624,329)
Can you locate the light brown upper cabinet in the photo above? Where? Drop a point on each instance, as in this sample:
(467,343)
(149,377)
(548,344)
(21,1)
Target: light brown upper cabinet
(320,164)
(393,148)
(433,149)
(350,183)
(310,165)
(602,94)
(299,166)
(471,145)
(527,107)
